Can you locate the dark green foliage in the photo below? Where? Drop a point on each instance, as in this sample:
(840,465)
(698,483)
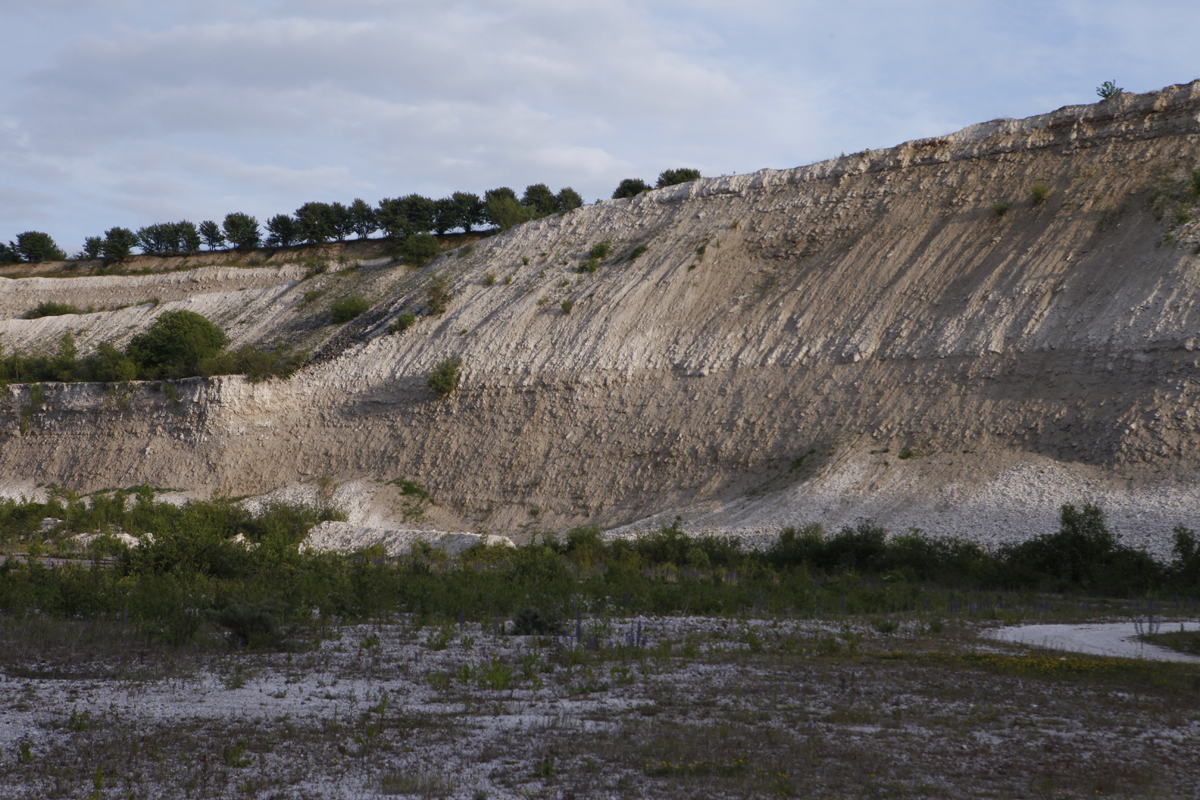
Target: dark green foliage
(212,234)
(503,210)
(345,309)
(9,254)
(630,187)
(49,309)
(1000,209)
(282,231)
(175,345)
(568,199)
(540,199)
(443,378)
(600,250)
(534,621)
(1038,193)
(253,624)
(316,223)
(35,246)
(362,218)
(256,365)
(92,247)
(1084,554)
(637,251)
(671,177)
(343,221)
(118,244)
(169,237)
(241,230)
(403,322)
(419,248)
(438,294)
(1109,90)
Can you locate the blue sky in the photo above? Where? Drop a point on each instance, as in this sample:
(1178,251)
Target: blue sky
(131,112)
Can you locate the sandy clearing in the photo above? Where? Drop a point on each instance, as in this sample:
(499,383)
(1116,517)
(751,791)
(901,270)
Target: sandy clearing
(1115,639)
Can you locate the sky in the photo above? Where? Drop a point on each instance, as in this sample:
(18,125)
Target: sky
(135,112)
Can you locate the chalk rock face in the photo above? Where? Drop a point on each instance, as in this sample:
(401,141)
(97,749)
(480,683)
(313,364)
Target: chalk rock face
(910,334)
(343,537)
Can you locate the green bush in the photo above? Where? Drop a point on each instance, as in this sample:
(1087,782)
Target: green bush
(175,345)
(600,251)
(672,177)
(438,294)
(630,187)
(443,379)
(637,251)
(345,309)
(1109,90)
(1038,193)
(48,309)
(419,248)
(403,322)
(1000,209)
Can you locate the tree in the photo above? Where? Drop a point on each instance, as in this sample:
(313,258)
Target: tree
(282,230)
(92,246)
(630,187)
(362,218)
(187,238)
(211,232)
(419,248)
(419,212)
(175,344)
(8,253)
(343,222)
(156,239)
(502,209)
(470,210)
(568,199)
(118,244)
(1109,90)
(34,246)
(445,216)
(443,379)
(539,198)
(671,177)
(241,230)
(315,222)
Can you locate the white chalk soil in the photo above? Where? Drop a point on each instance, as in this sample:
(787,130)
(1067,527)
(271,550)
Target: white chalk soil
(1113,639)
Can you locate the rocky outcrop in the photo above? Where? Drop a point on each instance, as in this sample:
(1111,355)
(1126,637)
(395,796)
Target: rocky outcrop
(900,333)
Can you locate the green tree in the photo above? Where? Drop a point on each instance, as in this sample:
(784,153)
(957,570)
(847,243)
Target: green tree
(362,218)
(187,237)
(156,240)
(34,246)
(502,208)
(8,253)
(212,235)
(282,230)
(539,198)
(118,244)
(241,230)
(470,210)
(630,187)
(1109,90)
(671,177)
(92,247)
(108,365)
(343,222)
(316,223)
(445,216)
(175,344)
(443,379)
(419,248)
(568,199)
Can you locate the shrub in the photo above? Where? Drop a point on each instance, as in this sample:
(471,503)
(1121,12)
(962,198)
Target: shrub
(671,177)
(438,295)
(1000,209)
(637,251)
(533,621)
(345,309)
(1109,90)
(175,345)
(567,305)
(630,187)
(489,279)
(1038,193)
(600,251)
(443,379)
(419,248)
(403,322)
(48,309)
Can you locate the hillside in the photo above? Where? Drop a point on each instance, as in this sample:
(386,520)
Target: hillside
(864,337)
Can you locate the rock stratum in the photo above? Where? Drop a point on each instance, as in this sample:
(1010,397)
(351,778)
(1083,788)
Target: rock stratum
(870,336)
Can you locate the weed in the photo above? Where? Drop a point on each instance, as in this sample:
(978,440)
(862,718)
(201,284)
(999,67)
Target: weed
(489,279)
(311,296)
(908,453)
(567,305)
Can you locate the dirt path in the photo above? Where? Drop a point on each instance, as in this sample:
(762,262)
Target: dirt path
(1114,639)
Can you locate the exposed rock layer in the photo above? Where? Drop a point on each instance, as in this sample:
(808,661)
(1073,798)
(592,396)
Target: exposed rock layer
(784,339)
